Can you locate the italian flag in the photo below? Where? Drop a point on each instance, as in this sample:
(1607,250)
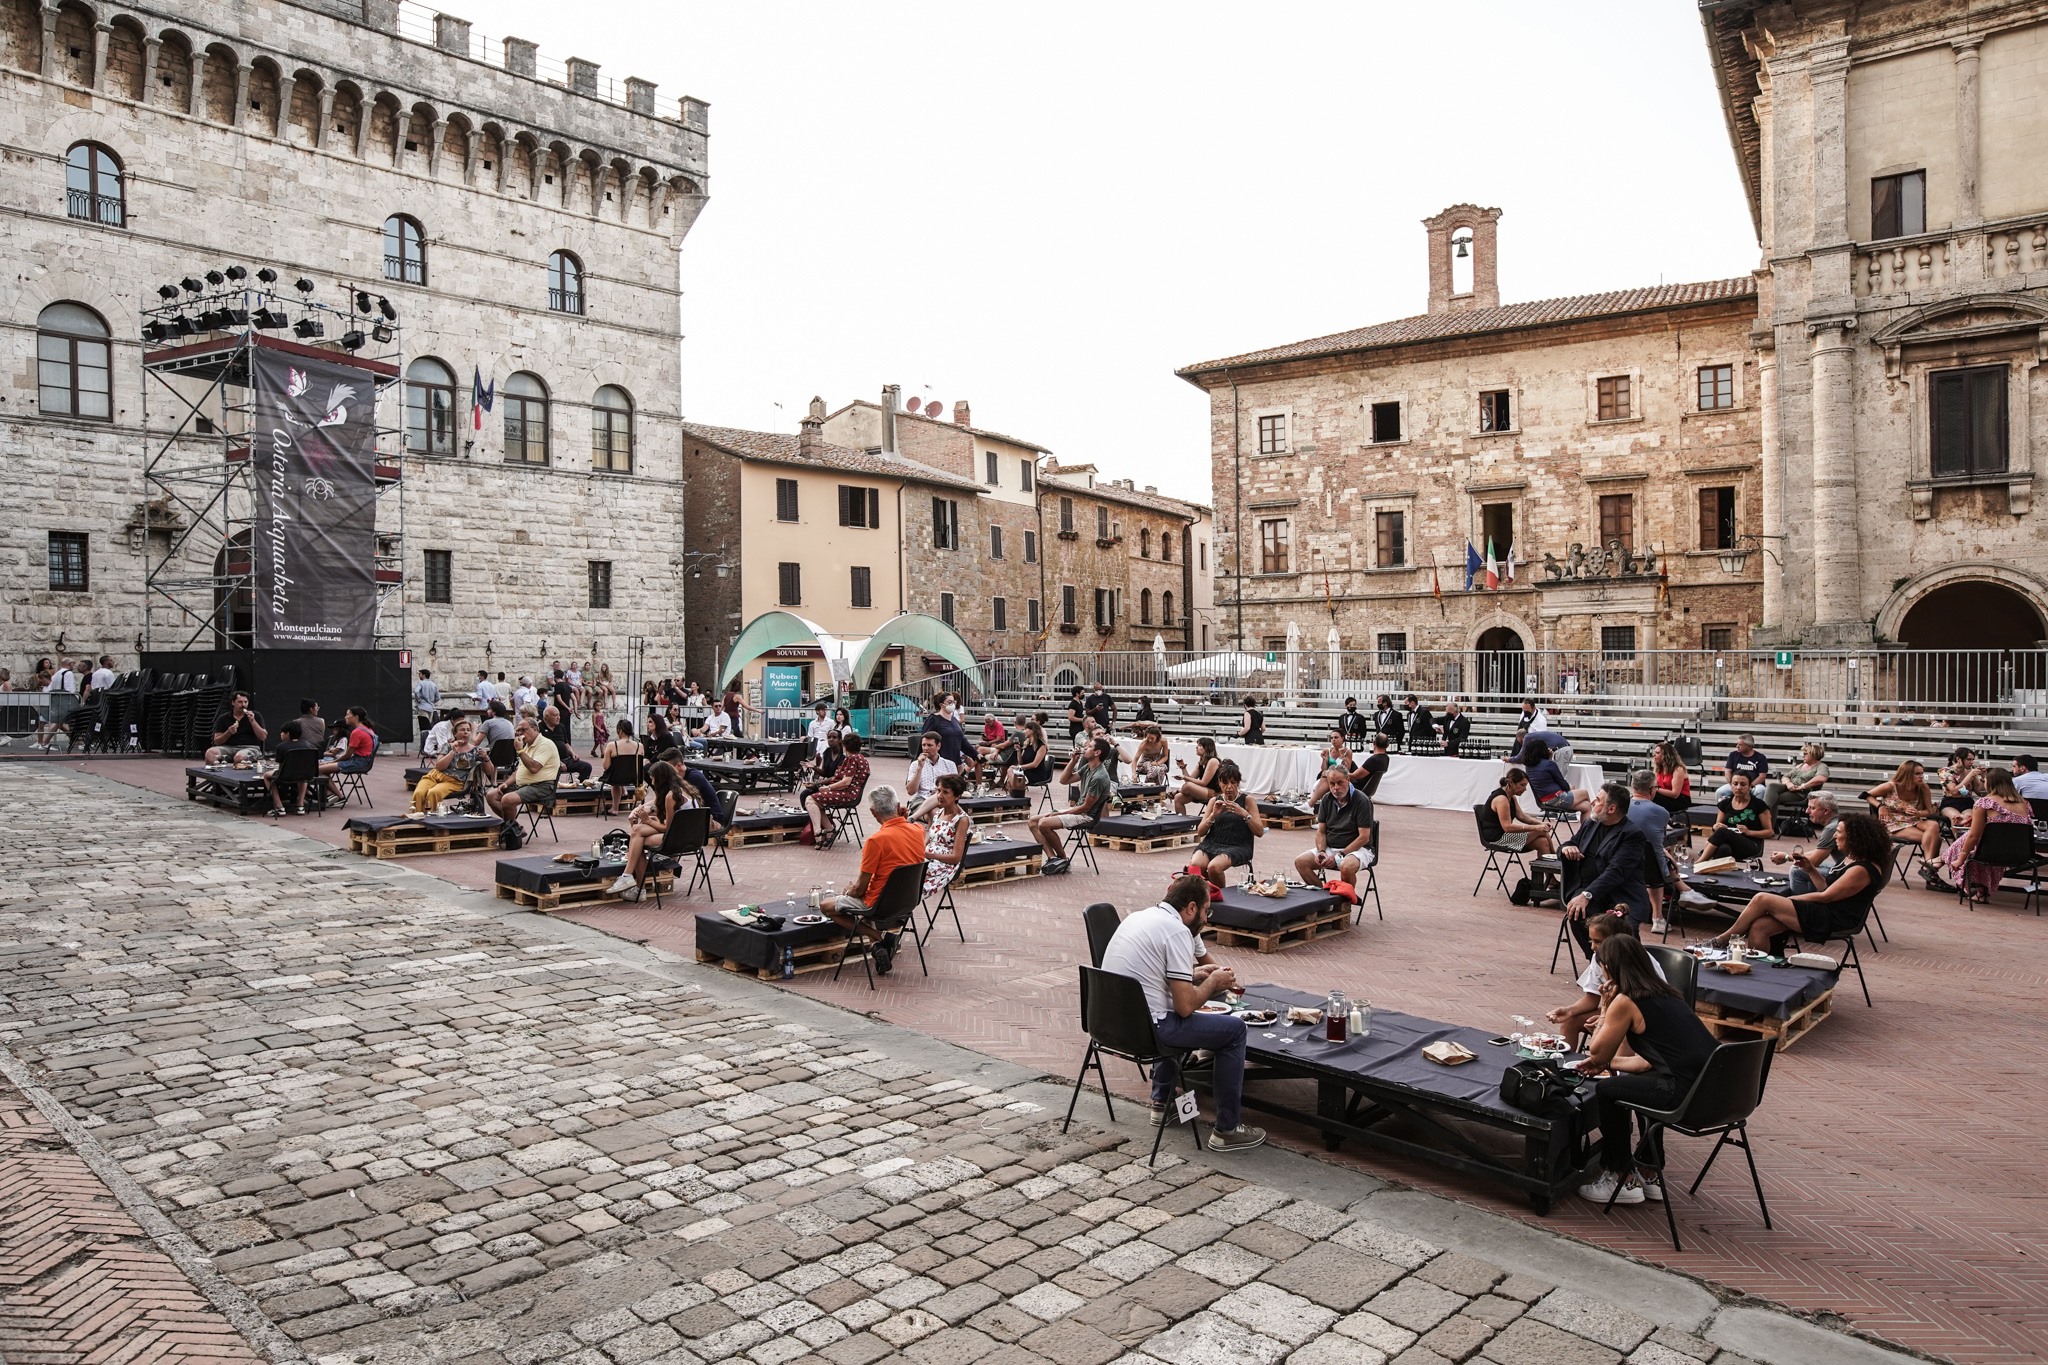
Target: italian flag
(1492,568)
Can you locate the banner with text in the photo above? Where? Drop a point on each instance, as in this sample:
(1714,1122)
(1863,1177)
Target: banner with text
(313,448)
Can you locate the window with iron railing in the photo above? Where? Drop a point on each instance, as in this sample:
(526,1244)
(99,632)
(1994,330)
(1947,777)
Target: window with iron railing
(565,283)
(405,250)
(93,185)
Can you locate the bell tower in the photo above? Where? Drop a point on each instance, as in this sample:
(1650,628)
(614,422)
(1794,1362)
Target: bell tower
(1461,236)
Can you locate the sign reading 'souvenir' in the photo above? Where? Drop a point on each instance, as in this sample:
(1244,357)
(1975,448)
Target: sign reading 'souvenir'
(314,456)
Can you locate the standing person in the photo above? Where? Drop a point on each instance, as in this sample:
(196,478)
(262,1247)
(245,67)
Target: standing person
(1421,725)
(237,732)
(1097,788)
(1608,866)
(1161,948)
(525,695)
(820,730)
(1668,1048)
(1077,716)
(532,780)
(1343,834)
(102,677)
(1457,729)
(426,700)
(1652,819)
(483,694)
(734,704)
(1251,728)
(1354,724)
(1229,825)
(1102,707)
(952,738)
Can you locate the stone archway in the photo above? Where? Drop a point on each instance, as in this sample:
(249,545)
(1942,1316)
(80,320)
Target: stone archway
(1500,664)
(1980,644)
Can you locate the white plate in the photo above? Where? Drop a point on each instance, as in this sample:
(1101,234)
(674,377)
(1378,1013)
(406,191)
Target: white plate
(808,919)
(1215,1007)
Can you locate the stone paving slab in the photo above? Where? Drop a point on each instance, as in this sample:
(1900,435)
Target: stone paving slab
(410,1128)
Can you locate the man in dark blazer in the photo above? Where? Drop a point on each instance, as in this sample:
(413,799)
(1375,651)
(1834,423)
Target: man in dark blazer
(1457,728)
(1608,865)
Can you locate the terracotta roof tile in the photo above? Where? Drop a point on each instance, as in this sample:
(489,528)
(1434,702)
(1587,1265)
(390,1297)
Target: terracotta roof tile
(1478,322)
(775,448)
(1135,497)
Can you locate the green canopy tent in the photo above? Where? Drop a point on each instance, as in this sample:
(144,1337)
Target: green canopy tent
(851,658)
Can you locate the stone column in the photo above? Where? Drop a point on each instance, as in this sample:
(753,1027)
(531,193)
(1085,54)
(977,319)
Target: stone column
(363,109)
(1773,474)
(437,134)
(241,96)
(1969,208)
(152,52)
(196,107)
(49,42)
(287,91)
(1830,77)
(101,34)
(326,116)
(1837,561)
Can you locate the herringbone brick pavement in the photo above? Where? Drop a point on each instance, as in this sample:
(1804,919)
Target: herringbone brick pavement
(80,1284)
(1899,1145)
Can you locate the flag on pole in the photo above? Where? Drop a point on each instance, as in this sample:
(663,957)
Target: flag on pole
(1509,576)
(1663,586)
(1436,583)
(1473,565)
(481,399)
(1492,568)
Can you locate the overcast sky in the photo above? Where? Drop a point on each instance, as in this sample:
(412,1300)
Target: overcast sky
(1047,208)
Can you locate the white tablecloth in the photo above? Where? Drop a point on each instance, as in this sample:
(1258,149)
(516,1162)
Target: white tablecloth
(1438,783)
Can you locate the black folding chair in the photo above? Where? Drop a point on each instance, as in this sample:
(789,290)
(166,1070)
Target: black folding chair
(1846,936)
(1119,1023)
(1727,1092)
(1681,969)
(504,753)
(1101,920)
(1502,855)
(727,808)
(689,830)
(2010,849)
(535,812)
(1565,944)
(944,905)
(894,909)
(300,768)
(1079,841)
(355,784)
(843,821)
(1372,880)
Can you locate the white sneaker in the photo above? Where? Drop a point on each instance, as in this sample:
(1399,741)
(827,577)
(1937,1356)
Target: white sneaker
(624,884)
(1653,1188)
(1601,1190)
(1695,898)
(1660,925)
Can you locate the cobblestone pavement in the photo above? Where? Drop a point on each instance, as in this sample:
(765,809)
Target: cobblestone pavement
(404,1126)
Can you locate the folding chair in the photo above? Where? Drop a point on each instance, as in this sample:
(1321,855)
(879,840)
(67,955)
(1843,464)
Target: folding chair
(944,904)
(1566,943)
(728,806)
(2010,849)
(689,830)
(1372,880)
(1119,1023)
(844,820)
(1729,1089)
(353,784)
(1847,938)
(1502,857)
(534,813)
(894,909)
(1079,841)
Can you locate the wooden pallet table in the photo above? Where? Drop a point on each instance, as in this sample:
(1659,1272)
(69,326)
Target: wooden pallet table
(773,827)
(1134,834)
(1785,1031)
(397,836)
(1285,816)
(812,957)
(747,951)
(585,798)
(1004,862)
(1325,925)
(545,884)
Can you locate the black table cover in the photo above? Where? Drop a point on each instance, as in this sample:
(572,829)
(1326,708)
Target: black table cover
(1236,908)
(757,948)
(1774,992)
(542,875)
(1134,827)
(447,824)
(987,854)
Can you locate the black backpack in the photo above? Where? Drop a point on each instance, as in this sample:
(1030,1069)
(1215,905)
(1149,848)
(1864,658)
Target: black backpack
(509,837)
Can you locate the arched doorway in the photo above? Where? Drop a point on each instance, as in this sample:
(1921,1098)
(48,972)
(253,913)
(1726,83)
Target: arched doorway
(1501,670)
(1998,632)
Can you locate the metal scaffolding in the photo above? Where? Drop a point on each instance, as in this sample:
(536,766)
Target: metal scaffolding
(199,504)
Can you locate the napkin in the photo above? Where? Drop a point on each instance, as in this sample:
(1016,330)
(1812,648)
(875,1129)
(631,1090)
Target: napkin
(1447,1053)
(1716,865)
(1296,1014)
(1818,961)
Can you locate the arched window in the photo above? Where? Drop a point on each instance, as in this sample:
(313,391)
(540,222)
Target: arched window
(526,419)
(429,407)
(405,250)
(1166,546)
(1144,542)
(74,363)
(565,283)
(92,181)
(1145,607)
(1166,615)
(611,430)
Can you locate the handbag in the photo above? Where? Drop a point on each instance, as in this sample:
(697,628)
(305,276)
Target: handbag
(1540,1087)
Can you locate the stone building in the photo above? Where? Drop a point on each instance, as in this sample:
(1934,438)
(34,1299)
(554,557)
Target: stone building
(1605,444)
(1118,573)
(1891,154)
(839,536)
(524,222)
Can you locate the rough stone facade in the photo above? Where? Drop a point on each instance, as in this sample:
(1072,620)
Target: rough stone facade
(285,135)
(1861,321)
(1352,471)
(1108,536)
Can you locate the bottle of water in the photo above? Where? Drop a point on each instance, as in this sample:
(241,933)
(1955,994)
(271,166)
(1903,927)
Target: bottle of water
(788,963)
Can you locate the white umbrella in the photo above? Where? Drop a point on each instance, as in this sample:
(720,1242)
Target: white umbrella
(1228,664)
(1335,670)
(1293,661)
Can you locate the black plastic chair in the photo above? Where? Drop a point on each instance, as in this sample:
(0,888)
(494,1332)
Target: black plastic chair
(1119,1023)
(1846,936)
(1565,944)
(2010,849)
(1681,969)
(689,830)
(790,771)
(1501,857)
(1729,1089)
(504,753)
(1101,921)
(844,822)
(895,908)
(944,905)
(2039,805)
(1372,880)
(727,807)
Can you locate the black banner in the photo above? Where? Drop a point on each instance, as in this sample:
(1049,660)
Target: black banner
(314,457)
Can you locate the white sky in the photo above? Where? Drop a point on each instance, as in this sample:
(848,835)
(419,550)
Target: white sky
(1047,208)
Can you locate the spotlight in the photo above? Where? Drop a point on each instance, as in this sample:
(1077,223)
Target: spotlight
(267,275)
(303,285)
(210,321)
(362,302)
(384,307)
(167,291)
(272,320)
(153,331)
(191,286)
(215,278)
(308,327)
(234,317)
(235,272)
(382,333)
(182,326)
(353,341)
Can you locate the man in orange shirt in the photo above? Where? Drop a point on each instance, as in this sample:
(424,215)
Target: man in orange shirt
(895,843)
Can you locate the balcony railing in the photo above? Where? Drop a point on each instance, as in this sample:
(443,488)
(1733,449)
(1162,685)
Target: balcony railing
(406,271)
(1933,261)
(566,300)
(96,208)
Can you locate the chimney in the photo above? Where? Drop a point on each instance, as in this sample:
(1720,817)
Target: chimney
(961,416)
(811,431)
(892,398)
(1476,224)
(522,57)
(451,34)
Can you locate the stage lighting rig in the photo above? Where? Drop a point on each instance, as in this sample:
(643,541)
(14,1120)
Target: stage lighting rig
(352,340)
(215,278)
(384,307)
(167,292)
(362,301)
(236,273)
(307,328)
(271,320)
(191,286)
(303,285)
(267,275)
(382,333)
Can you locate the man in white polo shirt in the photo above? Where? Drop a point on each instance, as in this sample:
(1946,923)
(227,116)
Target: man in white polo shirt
(1158,946)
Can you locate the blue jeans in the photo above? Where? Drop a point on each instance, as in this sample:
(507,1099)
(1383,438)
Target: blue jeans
(1801,884)
(1223,1036)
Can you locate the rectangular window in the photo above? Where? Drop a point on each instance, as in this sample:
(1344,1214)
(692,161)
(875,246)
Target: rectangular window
(1390,539)
(1027,475)
(1033,619)
(1067,604)
(1273,434)
(1613,398)
(1717,387)
(945,524)
(1393,649)
(1031,547)
(1969,422)
(995,542)
(1494,414)
(999,613)
(1718,637)
(1105,609)
(789,584)
(1618,519)
(946,607)
(785,500)
(1497,524)
(863,586)
(1202,555)
(1066,516)
(1617,642)
(1102,523)
(1273,546)
(1386,422)
(441,576)
(1898,205)
(600,584)
(991,467)
(1717,518)
(1145,607)
(860,506)
(70,561)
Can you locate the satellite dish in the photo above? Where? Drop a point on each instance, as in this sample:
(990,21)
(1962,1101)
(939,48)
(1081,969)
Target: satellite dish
(933,408)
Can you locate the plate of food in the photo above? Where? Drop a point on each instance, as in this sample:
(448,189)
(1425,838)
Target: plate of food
(1215,1007)
(808,919)
(1544,1044)
(1258,1016)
